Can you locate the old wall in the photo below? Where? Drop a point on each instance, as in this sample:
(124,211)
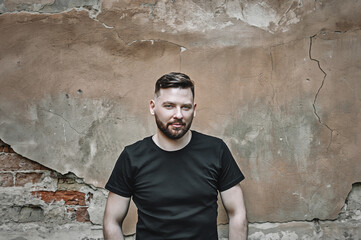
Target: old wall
(279,81)
(39,203)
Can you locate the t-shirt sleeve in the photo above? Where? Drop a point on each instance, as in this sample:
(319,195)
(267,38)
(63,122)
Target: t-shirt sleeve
(230,173)
(120,181)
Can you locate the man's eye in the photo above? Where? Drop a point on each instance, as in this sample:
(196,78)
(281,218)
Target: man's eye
(187,107)
(168,106)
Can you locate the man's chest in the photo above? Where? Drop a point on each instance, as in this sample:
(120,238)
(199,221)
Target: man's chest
(179,181)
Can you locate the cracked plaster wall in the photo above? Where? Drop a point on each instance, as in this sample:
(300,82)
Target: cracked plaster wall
(278,81)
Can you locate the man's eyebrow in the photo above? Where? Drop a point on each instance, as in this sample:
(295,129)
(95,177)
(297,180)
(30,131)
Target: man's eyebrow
(172,103)
(168,102)
(188,105)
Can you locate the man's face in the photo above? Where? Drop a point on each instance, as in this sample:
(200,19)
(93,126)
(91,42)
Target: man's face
(174,110)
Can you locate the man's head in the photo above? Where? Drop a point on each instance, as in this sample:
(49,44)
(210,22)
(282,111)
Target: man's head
(173,105)
(174,80)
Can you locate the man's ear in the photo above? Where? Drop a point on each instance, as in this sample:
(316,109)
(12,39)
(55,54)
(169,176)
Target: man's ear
(151,106)
(194,107)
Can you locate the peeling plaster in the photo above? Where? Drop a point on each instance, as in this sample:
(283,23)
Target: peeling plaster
(263,15)
(153,41)
(260,99)
(191,17)
(93,7)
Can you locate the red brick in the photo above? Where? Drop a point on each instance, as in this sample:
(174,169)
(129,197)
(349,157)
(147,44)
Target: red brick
(6,180)
(23,178)
(15,162)
(82,214)
(70,197)
(6,149)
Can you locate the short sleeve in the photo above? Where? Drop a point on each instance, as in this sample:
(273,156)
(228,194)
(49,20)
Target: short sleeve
(120,181)
(230,174)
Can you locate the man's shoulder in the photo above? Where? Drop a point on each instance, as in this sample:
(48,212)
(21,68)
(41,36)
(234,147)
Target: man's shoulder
(207,138)
(140,144)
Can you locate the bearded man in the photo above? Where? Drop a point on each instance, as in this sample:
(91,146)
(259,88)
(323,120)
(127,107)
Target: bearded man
(175,175)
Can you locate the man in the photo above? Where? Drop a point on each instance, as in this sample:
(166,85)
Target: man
(175,175)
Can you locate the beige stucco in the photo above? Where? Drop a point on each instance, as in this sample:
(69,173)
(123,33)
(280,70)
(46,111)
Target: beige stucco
(278,81)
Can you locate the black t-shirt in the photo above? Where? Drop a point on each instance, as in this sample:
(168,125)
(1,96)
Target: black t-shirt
(175,191)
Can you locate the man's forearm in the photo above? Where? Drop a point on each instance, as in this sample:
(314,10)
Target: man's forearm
(238,228)
(112,231)
(115,211)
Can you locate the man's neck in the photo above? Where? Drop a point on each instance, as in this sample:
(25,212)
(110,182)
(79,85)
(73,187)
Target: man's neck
(168,144)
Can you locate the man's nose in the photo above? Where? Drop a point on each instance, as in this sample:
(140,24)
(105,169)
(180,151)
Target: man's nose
(178,114)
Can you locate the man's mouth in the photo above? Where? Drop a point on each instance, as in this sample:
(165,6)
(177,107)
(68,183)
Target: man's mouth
(177,124)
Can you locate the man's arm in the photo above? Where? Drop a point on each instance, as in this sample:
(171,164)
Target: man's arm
(234,204)
(115,211)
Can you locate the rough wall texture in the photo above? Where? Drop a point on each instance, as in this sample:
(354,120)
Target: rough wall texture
(39,203)
(39,200)
(278,80)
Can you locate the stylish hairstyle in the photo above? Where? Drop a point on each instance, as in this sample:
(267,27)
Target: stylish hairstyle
(174,80)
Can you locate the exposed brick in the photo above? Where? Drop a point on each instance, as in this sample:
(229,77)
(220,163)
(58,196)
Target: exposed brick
(82,214)
(15,162)
(23,178)
(70,197)
(6,180)
(5,147)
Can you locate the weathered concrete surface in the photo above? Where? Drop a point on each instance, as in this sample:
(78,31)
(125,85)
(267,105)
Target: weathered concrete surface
(56,206)
(347,225)
(61,232)
(278,81)
(49,6)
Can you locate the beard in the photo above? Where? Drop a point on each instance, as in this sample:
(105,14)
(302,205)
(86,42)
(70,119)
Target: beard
(175,133)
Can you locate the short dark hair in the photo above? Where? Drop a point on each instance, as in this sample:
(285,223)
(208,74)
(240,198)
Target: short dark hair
(174,80)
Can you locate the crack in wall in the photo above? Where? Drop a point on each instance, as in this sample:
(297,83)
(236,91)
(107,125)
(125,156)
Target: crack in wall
(318,92)
(272,69)
(59,115)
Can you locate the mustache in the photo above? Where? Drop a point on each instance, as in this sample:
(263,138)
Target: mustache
(178,122)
